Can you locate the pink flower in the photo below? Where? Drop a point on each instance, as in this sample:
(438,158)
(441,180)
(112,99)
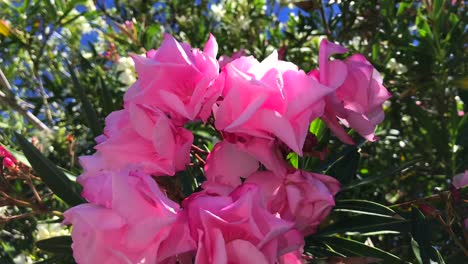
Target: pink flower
(236,158)
(137,227)
(460,180)
(359,95)
(8,163)
(294,257)
(145,136)
(224,59)
(8,159)
(177,79)
(227,164)
(268,100)
(303,197)
(236,228)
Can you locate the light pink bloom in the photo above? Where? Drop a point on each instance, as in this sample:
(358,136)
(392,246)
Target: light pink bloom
(177,79)
(236,228)
(224,59)
(227,164)
(359,95)
(137,227)
(271,99)
(145,136)
(303,197)
(236,158)
(460,180)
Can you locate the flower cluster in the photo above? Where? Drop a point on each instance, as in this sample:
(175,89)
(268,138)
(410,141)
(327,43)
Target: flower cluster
(253,204)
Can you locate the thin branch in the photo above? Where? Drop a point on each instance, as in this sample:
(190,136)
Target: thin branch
(10,100)
(325,23)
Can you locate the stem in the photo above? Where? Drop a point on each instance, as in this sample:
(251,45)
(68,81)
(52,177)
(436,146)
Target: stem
(200,159)
(452,235)
(325,23)
(198,149)
(12,102)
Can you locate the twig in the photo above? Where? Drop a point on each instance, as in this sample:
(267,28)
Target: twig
(200,159)
(10,101)
(325,23)
(452,234)
(198,149)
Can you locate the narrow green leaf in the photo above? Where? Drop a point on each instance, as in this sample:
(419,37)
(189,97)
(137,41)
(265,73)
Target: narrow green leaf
(106,97)
(382,176)
(53,177)
(421,236)
(344,169)
(363,224)
(57,245)
(354,248)
(89,112)
(440,259)
(363,207)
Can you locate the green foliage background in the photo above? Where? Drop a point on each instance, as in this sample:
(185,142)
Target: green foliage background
(418,46)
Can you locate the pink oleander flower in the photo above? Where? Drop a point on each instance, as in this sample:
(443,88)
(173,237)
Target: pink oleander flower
(303,197)
(236,228)
(9,161)
(145,136)
(237,157)
(227,164)
(140,225)
(357,101)
(294,257)
(224,59)
(460,180)
(271,99)
(177,79)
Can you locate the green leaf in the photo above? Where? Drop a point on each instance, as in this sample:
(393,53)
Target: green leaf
(421,236)
(344,169)
(89,112)
(151,36)
(354,248)
(366,224)
(57,245)
(53,177)
(318,128)
(363,207)
(388,173)
(440,259)
(293,159)
(106,97)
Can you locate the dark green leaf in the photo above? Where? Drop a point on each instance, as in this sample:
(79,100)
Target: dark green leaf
(421,236)
(57,245)
(89,112)
(363,207)
(344,169)
(53,177)
(382,176)
(354,248)
(366,224)
(106,97)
